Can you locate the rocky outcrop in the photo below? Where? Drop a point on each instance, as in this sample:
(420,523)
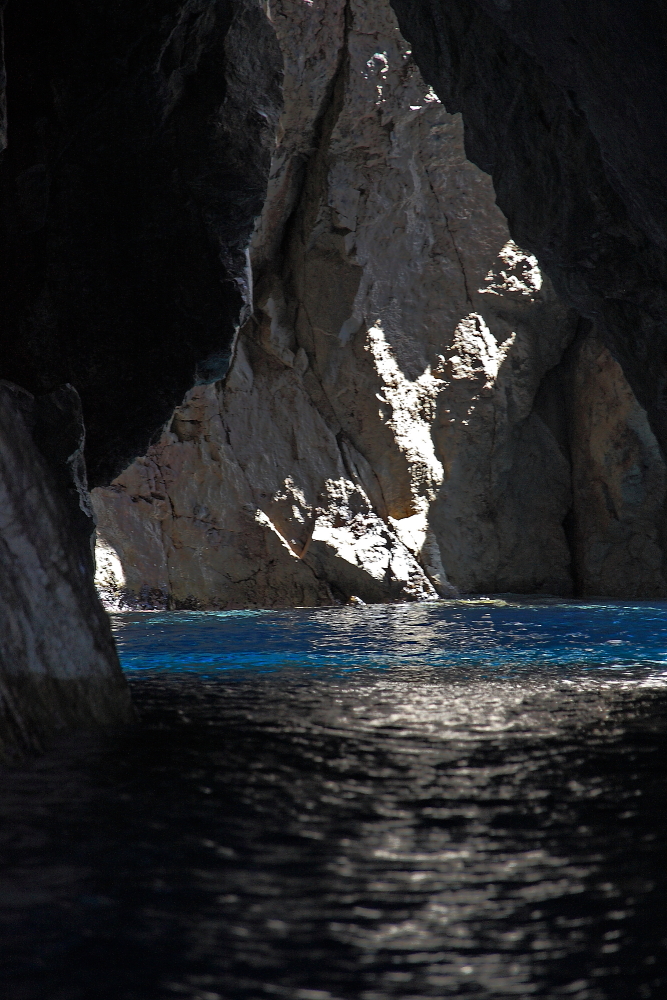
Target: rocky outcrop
(565,105)
(59,663)
(410,406)
(139,143)
(136,142)
(376,434)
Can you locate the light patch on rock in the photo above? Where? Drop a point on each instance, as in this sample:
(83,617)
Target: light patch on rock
(517,272)
(109,573)
(407,407)
(380,432)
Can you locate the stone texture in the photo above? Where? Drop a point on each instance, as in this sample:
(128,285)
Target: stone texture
(135,147)
(58,663)
(140,139)
(389,419)
(411,406)
(375,435)
(565,105)
(619,482)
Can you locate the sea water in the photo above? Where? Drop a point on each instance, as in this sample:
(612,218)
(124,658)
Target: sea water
(449,799)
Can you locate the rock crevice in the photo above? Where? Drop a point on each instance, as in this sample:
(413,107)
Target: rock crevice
(377,433)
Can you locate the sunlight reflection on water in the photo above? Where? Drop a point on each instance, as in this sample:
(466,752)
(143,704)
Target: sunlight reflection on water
(485,635)
(432,800)
(380,803)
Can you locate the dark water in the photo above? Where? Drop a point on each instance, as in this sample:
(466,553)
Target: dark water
(448,800)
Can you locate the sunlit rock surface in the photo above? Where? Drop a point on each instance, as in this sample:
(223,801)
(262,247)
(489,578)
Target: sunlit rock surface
(565,104)
(377,434)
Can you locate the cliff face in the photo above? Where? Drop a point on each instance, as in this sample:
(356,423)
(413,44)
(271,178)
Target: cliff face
(58,663)
(409,405)
(136,143)
(565,105)
(378,432)
(139,139)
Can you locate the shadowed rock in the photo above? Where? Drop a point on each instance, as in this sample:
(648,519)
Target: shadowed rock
(139,140)
(565,105)
(58,663)
(136,144)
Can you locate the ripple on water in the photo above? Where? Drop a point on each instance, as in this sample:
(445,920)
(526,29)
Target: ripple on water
(461,799)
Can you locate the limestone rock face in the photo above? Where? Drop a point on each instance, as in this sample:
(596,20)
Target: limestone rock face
(58,663)
(565,105)
(376,434)
(410,408)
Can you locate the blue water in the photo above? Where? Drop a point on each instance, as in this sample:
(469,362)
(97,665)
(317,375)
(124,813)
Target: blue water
(457,799)
(482,638)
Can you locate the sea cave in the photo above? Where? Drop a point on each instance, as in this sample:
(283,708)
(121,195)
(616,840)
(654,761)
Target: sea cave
(333,499)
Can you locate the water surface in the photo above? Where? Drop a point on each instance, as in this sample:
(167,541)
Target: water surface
(453,799)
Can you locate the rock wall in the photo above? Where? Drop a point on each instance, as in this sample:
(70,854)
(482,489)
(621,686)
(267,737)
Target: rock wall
(135,146)
(138,151)
(619,481)
(565,105)
(376,433)
(617,522)
(58,660)
(410,408)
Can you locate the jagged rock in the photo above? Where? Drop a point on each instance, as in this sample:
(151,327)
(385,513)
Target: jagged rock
(565,105)
(385,423)
(58,663)
(136,142)
(391,409)
(233,507)
(376,429)
(140,139)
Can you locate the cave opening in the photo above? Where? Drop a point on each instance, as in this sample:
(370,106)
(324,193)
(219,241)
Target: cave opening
(351,314)
(412,410)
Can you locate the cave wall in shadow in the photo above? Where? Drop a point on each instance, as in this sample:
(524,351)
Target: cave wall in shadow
(138,145)
(565,105)
(135,148)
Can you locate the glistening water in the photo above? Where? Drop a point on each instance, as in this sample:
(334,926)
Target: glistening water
(459,799)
